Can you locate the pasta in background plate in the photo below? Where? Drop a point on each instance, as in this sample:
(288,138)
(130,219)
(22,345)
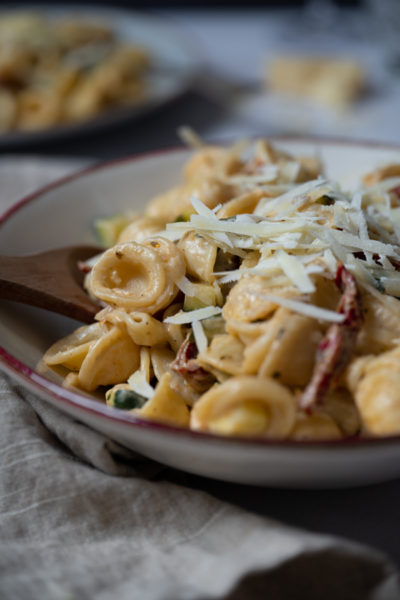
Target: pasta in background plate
(256,298)
(63,70)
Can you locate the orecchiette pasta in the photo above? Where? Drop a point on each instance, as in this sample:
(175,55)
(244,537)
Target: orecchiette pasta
(225,354)
(129,275)
(140,229)
(166,404)
(382,324)
(70,351)
(200,255)
(211,191)
(244,304)
(38,109)
(161,359)
(112,358)
(170,255)
(140,326)
(138,277)
(241,205)
(275,352)
(340,406)
(245,405)
(246,301)
(283,361)
(316,426)
(375,383)
(175,331)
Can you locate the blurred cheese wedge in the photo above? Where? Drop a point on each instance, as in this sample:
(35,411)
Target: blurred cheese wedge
(333,82)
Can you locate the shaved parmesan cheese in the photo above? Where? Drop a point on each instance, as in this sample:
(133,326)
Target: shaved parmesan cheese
(218,293)
(202,209)
(391,285)
(290,195)
(295,271)
(182,317)
(289,241)
(277,189)
(231,276)
(322,314)
(186,286)
(372,217)
(264,267)
(395,215)
(317,237)
(386,264)
(331,262)
(356,201)
(172,236)
(206,212)
(224,239)
(138,383)
(199,336)
(358,269)
(361,224)
(336,248)
(340,218)
(278,207)
(313,269)
(352,241)
(264,229)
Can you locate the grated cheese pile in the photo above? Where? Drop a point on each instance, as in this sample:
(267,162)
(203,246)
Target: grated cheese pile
(302,230)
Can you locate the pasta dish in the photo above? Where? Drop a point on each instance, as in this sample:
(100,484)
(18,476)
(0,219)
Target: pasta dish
(256,298)
(64,71)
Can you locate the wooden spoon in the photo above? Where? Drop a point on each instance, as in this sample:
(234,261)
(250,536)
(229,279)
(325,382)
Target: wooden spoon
(50,280)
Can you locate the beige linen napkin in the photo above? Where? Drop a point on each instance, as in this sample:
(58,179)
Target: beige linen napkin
(82,518)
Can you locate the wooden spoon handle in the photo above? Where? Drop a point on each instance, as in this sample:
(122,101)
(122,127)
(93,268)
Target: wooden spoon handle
(47,281)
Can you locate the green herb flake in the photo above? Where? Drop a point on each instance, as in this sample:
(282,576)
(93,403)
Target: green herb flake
(325,200)
(126,399)
(379,285)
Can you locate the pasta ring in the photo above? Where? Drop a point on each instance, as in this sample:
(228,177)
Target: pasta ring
(111,359)
(131,276)
(70,351)
(246,406)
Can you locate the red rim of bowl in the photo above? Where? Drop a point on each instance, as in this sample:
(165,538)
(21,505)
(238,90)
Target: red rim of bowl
(38,382)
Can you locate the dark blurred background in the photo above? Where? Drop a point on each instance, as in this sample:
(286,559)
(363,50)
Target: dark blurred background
(185,4)
(230,96)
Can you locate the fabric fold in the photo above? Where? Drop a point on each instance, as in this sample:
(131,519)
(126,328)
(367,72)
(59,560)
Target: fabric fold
(81,518)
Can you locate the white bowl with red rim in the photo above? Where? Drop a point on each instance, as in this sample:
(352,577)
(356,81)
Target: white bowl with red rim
(62,214)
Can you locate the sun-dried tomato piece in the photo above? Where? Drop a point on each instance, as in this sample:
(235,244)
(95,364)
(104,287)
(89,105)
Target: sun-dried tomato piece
(83,267)
(336,348)
(396,192)
(188,367)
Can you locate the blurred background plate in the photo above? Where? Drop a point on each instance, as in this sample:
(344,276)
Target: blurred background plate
(175,65)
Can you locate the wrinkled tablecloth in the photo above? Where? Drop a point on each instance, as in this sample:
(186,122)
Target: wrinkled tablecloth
(82,518)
